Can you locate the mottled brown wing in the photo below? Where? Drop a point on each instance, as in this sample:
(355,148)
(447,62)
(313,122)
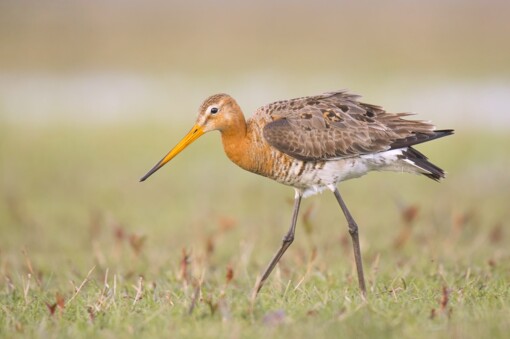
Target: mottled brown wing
(336,125)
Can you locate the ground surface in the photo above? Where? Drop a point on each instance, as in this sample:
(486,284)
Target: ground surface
(86,250)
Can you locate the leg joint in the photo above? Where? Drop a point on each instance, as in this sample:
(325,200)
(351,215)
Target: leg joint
(288,239)
(353,229)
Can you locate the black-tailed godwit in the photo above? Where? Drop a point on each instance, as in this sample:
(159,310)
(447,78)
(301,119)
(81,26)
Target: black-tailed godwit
(313,143)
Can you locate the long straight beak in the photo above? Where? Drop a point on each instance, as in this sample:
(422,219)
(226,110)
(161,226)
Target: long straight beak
(192,135)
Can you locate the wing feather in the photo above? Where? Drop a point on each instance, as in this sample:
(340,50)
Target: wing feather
(336,125)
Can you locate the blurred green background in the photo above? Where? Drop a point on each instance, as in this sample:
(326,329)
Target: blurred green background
(93,93)
(130,61)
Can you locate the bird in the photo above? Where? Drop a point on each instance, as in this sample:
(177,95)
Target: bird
(313,143)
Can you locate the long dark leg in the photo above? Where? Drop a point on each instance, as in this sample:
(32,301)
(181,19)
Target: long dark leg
(287,240)
(353,231)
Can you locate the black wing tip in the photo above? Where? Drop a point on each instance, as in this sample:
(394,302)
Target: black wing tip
(420,137)
(443,133)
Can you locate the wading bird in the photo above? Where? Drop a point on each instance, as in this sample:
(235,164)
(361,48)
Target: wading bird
(313,143)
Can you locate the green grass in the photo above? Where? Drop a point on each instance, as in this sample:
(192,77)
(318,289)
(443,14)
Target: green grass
(72,214)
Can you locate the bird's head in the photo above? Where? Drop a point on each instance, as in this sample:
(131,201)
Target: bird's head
(218,112)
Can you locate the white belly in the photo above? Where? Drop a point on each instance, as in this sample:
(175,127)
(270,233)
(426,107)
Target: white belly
(314,177)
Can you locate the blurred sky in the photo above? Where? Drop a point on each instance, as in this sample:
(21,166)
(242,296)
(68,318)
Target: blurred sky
(116,61)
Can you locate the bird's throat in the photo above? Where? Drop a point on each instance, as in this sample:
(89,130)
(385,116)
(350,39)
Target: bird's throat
(236,145)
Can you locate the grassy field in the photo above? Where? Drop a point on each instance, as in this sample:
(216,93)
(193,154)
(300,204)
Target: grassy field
(86,250)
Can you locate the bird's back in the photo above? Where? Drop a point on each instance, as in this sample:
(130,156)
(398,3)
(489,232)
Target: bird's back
(335,125)
(334,131)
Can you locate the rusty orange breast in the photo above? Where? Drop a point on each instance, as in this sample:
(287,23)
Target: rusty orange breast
(251,152)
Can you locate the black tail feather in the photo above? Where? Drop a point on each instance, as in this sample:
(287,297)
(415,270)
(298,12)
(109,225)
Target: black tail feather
(421,161)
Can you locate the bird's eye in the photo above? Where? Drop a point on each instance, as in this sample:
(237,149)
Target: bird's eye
(214,110)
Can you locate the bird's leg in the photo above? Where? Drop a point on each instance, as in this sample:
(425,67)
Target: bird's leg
(287,240)
(353,231)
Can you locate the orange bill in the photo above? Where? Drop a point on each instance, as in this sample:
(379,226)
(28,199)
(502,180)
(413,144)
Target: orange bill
(192,135)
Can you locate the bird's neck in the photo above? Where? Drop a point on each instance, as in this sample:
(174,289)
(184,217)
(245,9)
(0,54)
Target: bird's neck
(236,143)
(247,149)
